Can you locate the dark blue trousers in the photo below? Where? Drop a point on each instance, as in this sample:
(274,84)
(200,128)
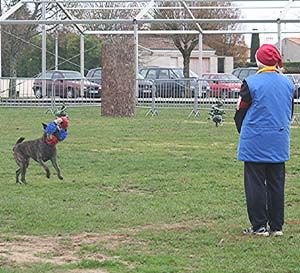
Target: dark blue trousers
(264,188)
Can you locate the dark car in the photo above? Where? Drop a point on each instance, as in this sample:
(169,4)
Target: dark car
(223,85)
(170,82)
(144,86)
(295,78)
(95,75)
(244,72)
(65,84)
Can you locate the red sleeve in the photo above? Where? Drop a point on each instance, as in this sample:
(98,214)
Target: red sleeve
(52,141)
(243,105)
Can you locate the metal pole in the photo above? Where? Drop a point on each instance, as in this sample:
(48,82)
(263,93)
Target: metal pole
(200,56)
(56,50)
(0,41)
(44,51)
(136,55)
(279,35)
(141,21)
(81,63)
(0,52)
(198,92)
(153,111)
(200,83)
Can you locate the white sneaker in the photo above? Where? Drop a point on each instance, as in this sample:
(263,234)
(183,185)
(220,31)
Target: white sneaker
(276,233)
(262,231)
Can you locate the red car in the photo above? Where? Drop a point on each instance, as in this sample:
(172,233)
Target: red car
(223,85)
(65,84)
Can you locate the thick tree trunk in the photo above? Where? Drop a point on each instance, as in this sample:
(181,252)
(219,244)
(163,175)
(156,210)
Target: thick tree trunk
(186,72)
(118,77)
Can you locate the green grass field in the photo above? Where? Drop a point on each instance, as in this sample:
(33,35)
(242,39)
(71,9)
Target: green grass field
(143,194)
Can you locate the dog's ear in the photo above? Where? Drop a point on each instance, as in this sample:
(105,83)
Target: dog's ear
(44,125)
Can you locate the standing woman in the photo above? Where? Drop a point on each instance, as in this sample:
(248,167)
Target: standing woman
(263,118)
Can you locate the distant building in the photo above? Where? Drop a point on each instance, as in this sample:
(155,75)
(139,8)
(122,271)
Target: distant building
(161,51)
(290,49)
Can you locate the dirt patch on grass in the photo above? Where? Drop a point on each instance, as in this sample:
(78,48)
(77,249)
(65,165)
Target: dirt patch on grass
(58,250)
(292,175)
(86,271)
(293,222)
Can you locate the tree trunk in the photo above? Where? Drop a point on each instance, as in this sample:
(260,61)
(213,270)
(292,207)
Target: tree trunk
(118,77)
(186,64)
(186,72)
(13,73)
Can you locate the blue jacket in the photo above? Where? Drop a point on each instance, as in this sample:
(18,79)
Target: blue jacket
(265,133)
(53,129)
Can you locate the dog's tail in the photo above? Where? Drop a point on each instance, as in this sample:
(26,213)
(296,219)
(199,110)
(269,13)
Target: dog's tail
(20,140)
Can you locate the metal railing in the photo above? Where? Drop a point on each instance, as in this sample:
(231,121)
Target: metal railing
(192,94)
(39,92)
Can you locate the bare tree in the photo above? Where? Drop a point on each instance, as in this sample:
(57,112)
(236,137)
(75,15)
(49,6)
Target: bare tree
(229,45)
(12,46)
(105,10)
(16,38)
(186,43)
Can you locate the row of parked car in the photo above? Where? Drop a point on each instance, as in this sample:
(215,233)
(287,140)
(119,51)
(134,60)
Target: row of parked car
(244,72)
(167,81)
(65,84)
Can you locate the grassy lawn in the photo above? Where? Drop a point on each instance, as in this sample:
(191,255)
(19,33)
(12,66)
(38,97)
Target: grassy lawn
(143,194)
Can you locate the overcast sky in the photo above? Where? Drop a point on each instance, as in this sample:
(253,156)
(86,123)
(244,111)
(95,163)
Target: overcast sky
(268,10)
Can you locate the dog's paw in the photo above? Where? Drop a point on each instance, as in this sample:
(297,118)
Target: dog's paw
(60,177)
(48,175)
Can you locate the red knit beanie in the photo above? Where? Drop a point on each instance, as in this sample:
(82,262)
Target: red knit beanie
(65,123)
(269,55)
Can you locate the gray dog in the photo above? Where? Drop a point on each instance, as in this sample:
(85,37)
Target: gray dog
(39,151)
